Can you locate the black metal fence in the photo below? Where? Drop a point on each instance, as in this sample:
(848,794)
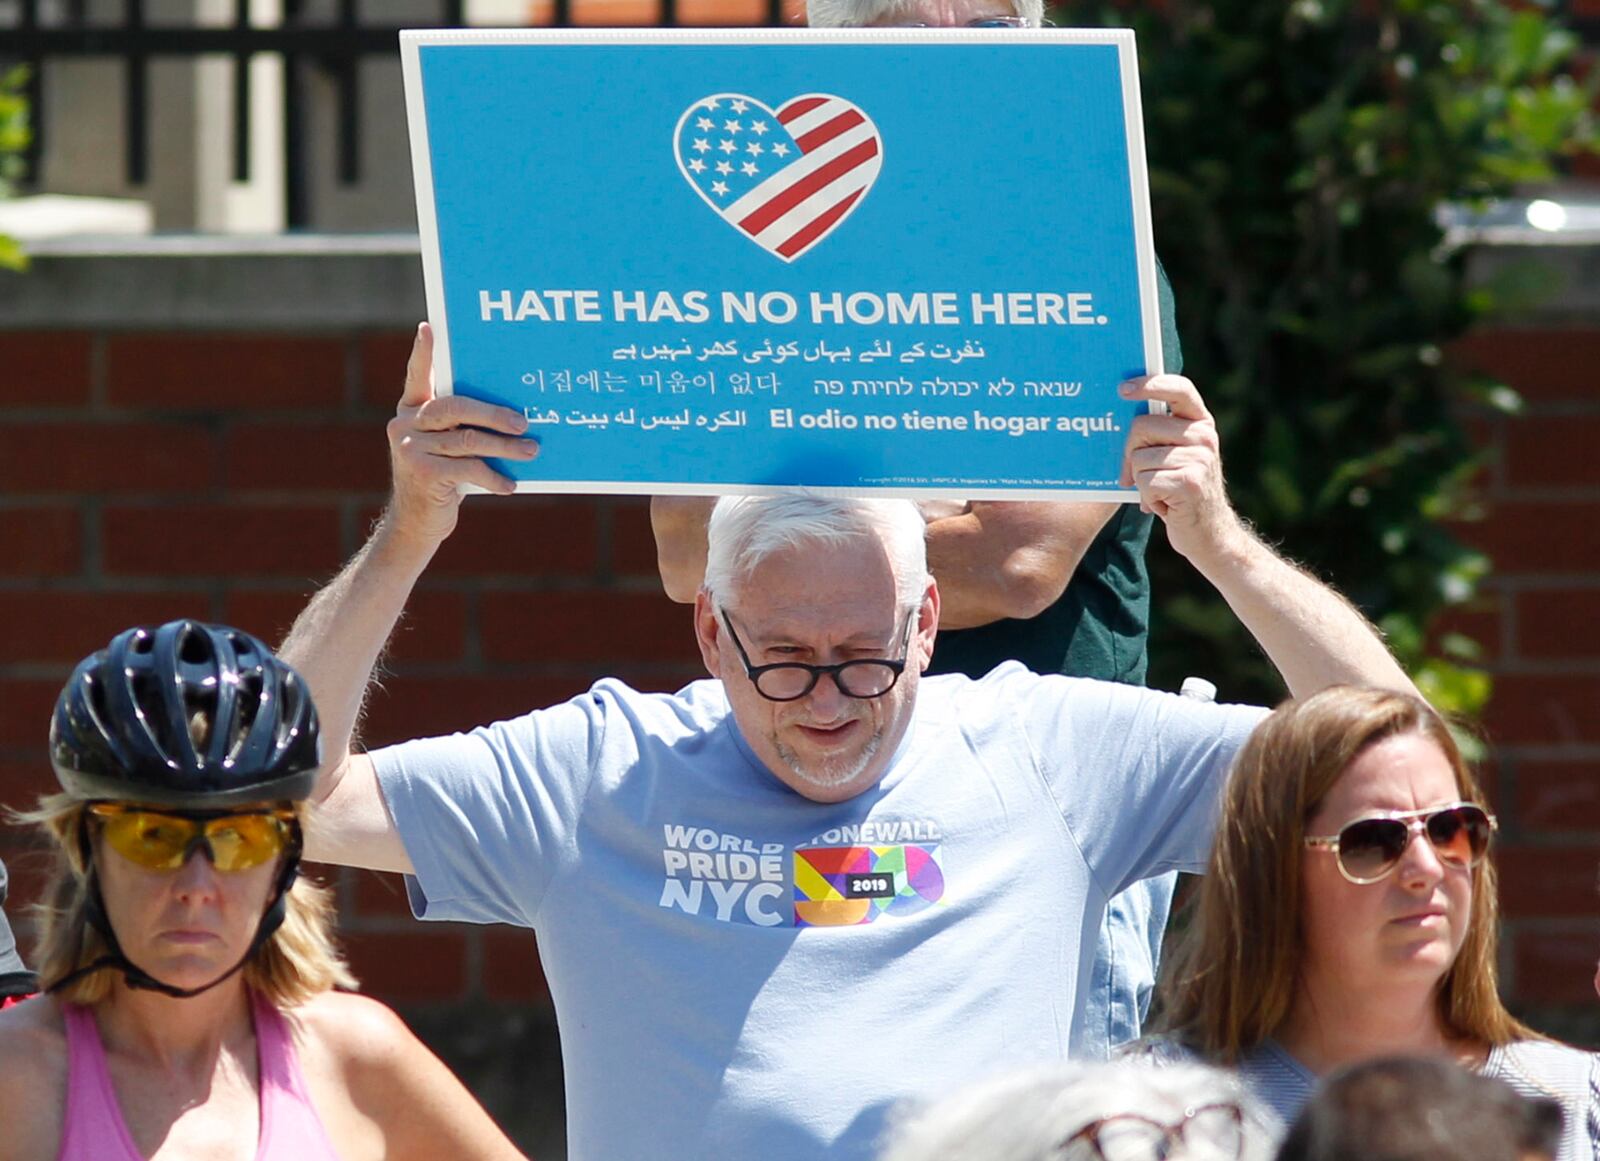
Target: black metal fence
(35,35)
(335,48)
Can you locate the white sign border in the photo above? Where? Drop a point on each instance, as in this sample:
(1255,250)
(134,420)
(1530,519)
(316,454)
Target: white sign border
(413,40)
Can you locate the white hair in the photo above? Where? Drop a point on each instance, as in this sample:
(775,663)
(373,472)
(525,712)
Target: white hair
(746,530)
(860,13)
(1029,1116)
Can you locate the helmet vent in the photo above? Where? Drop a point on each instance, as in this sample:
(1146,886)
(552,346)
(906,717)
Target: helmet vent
(199,730)
(200,710)
(195,649)
(147,695)
(248,705)
(97,698)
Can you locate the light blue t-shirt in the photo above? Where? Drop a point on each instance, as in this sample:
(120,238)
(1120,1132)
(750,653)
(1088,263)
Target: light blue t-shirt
(1123,978)
(741,972)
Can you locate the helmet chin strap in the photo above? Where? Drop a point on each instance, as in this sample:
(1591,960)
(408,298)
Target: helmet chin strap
(137,977)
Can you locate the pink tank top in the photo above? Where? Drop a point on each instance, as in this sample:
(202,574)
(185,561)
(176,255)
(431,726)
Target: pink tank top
(95,1130)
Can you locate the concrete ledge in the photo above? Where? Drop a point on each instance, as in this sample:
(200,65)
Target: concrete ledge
(1569,297)
(41,216)
(211,282)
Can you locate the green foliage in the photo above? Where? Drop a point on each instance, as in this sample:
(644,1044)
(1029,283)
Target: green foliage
(15,136)
(1297,156)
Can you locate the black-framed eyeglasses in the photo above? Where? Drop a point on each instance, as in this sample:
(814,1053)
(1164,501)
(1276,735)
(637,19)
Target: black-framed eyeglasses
(1212,1132)
(866,677)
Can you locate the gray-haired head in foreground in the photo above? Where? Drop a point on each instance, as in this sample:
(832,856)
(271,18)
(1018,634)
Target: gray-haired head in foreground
(862,13)
(1037,1115)
(745,530)
(1421,1109)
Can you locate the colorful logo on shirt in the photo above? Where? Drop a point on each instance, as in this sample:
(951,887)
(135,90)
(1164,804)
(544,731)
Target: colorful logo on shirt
(846,886)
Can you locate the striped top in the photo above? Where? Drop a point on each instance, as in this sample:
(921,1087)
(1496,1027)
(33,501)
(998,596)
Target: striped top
(1281,1085)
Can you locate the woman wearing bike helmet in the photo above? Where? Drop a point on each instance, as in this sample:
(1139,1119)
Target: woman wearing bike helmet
(189,973)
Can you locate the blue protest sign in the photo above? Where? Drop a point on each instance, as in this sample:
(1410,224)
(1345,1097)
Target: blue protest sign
(915,262)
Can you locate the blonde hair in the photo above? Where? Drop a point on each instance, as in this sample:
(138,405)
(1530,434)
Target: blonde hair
(298,961)
(1234,975)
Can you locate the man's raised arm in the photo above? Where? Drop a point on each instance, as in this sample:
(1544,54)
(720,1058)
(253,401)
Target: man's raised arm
(436,445)
(997,559)
(1313,635)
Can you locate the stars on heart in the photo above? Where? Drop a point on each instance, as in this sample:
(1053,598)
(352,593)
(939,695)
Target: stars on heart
(738,138)
(753,148)
(744,135)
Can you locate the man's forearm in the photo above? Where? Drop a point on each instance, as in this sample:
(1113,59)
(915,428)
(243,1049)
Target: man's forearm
(1008,558)
(336,642)
(679,524)
(1312,634)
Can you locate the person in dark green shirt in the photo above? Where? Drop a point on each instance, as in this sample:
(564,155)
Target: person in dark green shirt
(1096,621)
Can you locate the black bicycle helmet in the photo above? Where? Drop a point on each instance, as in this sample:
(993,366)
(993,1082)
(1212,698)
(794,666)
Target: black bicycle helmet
(190,717)
(185,715)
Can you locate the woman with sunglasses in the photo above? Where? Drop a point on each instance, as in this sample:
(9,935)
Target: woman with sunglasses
(188,970)
(1349,913)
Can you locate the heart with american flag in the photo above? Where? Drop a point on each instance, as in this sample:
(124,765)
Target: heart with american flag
(785,177)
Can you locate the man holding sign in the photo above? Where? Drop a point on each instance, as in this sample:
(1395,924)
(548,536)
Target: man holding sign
(1060,586)
(779,901)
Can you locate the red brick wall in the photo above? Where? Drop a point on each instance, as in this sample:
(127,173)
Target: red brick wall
(1540,621)
(146,476)
(155,475)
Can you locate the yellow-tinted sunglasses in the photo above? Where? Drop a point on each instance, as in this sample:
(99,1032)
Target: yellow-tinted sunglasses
(160,840)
